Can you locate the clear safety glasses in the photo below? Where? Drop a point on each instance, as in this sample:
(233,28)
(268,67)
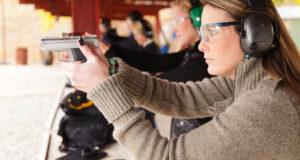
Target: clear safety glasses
(215,31)
(178,20)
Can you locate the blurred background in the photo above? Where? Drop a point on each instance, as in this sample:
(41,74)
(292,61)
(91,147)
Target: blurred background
(31,83)
(24,22)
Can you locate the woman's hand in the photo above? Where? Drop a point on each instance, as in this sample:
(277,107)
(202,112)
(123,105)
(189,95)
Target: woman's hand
(104,47)
(85,76)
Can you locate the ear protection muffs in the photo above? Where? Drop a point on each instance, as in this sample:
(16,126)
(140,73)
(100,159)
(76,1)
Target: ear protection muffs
(196,13)
(259,33)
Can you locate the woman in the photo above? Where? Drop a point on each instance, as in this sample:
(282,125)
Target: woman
(143,35)
(254,102)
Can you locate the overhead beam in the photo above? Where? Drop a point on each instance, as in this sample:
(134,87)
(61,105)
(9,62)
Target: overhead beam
(113,9)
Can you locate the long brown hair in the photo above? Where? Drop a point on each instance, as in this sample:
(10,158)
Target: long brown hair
(284,61)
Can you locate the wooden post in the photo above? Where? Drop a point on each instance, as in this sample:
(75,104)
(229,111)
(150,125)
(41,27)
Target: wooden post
(85,16)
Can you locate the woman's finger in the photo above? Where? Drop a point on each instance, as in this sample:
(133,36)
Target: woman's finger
(85,49)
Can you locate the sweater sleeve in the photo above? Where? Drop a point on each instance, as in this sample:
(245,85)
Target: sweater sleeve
(248,129)
(160,96)
(150,62)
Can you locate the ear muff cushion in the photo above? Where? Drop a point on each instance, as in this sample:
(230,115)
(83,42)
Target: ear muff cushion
(258,31)
(195,15)
(258,35)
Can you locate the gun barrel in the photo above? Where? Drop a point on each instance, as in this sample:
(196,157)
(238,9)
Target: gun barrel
(65,44)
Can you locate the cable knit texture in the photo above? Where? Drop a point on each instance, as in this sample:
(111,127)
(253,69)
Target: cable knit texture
(254,117)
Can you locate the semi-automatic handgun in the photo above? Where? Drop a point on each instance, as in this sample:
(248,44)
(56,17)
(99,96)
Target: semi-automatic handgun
(69,44)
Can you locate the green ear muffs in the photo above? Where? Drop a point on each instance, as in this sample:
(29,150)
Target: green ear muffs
(195,15)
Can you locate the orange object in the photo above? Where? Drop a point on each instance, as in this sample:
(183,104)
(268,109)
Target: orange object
(21,56)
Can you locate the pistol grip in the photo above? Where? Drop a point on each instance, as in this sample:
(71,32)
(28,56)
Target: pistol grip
(78,55)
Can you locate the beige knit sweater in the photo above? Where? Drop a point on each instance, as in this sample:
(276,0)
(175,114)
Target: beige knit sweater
(255,118)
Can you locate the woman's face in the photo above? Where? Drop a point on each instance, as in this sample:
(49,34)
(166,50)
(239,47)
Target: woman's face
(139,38)
(220,45)
(182,26)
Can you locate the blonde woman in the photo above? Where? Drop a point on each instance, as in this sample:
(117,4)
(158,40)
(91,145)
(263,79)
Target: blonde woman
(254,101)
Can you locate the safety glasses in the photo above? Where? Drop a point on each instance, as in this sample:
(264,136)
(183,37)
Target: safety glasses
(215,31)
(178,20)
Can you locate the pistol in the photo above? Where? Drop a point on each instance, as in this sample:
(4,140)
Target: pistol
(69,44)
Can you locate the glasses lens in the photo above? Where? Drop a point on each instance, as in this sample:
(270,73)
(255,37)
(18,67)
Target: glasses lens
(178,20)
(212,33)
(204,33)
(199,33)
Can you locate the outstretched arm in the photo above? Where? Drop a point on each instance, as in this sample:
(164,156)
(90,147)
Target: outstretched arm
(175,99)
(237,133)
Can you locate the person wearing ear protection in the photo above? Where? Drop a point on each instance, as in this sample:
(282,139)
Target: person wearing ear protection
(129,42)
(143,35)
(254,100)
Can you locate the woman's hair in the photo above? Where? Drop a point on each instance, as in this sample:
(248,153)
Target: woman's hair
(135,15)
(283,62)
(184,5)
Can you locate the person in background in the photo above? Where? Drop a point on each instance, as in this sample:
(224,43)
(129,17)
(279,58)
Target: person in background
(130,42)
(108,34)
(143,35)
(254,100)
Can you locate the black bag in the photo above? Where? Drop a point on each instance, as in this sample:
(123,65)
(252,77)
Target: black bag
(84,130)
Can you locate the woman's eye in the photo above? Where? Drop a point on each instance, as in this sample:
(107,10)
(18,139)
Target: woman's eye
(212,32)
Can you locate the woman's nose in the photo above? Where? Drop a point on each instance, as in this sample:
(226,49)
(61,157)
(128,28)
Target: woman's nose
(202,46)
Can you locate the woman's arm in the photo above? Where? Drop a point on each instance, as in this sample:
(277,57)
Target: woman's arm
(150,62)
(174,99)
(247,129)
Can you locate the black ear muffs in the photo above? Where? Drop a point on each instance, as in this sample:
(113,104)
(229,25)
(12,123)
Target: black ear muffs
(258,32)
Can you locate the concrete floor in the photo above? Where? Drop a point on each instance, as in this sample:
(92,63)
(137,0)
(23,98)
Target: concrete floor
(29,96)
(26,99)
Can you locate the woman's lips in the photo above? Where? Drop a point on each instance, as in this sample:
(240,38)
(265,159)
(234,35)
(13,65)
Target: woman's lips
(208,60)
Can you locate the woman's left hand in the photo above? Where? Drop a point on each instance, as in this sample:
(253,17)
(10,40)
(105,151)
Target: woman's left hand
(85,76)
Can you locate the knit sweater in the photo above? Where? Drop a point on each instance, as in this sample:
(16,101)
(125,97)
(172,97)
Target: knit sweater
(254,117)
(182,66)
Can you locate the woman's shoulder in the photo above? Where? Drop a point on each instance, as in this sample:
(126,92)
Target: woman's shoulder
(273,96)
(270,102)
(276,89)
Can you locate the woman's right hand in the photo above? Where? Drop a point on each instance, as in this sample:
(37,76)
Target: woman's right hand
(104,47)
(85,76)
